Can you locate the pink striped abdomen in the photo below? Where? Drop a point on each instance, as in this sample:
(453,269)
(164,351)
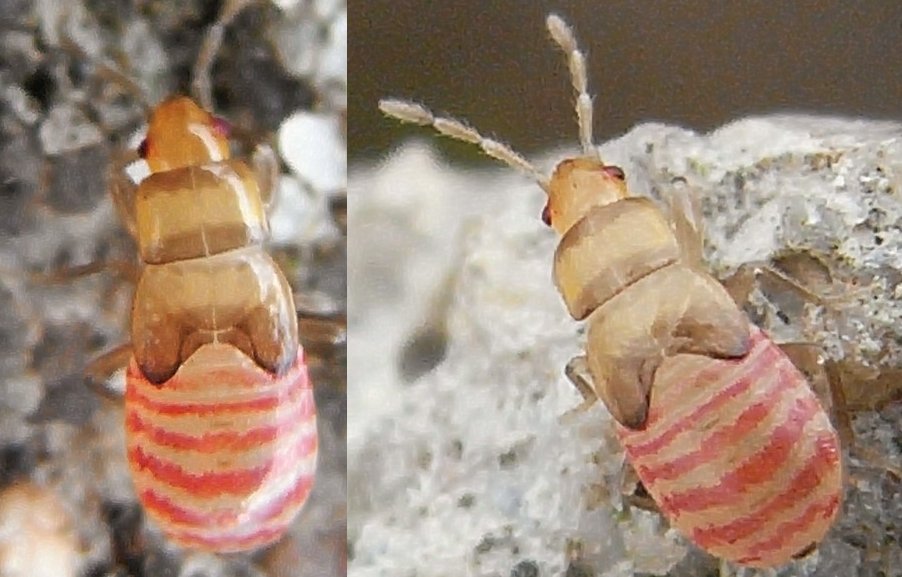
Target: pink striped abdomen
(223,454)
(739,455)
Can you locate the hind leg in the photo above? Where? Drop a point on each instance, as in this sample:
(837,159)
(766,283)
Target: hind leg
(824,376)
(826,380)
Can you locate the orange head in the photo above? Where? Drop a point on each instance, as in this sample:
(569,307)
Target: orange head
(181,133)
(578,185)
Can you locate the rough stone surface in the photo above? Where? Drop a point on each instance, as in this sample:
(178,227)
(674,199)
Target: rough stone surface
(477,467)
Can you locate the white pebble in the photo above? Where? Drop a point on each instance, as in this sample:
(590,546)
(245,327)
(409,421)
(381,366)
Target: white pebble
(66,128)
(36,536)
(312,145)
(334,59)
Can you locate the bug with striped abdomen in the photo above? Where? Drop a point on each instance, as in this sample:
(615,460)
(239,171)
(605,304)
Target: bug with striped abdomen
(721,427)
(220,416)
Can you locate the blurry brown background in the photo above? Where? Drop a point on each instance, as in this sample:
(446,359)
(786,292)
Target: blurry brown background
(696,63)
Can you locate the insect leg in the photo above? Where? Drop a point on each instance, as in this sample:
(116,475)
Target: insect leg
(577,372)
(124,269)
(826,380)
(266,170)
(748,276)
(322,323)
(123,192)
(201,86)
(686,216)
(98,372)
(631,488)
(634,493)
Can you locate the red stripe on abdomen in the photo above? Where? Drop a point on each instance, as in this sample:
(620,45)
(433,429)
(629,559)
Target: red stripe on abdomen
(753,471)
(213,482)
(233,529)
(215,478)
(302,411)
(710,448)
(800,488)
(722,394)
(774,550)
(709,378)
(202,520)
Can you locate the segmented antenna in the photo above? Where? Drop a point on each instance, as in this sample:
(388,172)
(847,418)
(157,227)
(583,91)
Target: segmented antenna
(563,36)
(416,114)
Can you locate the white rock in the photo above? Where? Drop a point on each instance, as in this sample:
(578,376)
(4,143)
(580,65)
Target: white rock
(312,145)
(22,394)
(334,59)
(66,128)
(36,534)
(298,216)
(286,5)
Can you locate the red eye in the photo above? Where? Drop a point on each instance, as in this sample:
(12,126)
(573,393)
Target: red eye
(142,148)
(615,172)
(221,127)
(546,215)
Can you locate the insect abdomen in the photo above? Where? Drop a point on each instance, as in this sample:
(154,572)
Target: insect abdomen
(223,455)
(739,455)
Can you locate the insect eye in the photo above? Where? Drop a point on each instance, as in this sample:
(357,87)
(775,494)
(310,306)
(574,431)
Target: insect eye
(615,172)
(221,127)
(546,215)
(142,149)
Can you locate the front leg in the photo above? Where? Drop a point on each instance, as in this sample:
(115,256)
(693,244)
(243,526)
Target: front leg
(98,371)
(626,400)
(265,164)
(634,493)
(577,372)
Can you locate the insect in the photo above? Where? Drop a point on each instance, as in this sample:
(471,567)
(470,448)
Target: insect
(721,428)
(219,410)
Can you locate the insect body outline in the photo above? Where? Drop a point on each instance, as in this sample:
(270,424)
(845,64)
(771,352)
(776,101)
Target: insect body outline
(674,359)
(220,416)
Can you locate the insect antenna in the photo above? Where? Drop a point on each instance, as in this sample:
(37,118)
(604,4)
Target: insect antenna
(563,36)
(416,114)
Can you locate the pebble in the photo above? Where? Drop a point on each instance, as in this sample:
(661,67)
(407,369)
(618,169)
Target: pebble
(36,534)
